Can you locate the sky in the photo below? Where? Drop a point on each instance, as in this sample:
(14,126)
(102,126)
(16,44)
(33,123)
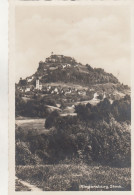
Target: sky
(97,35)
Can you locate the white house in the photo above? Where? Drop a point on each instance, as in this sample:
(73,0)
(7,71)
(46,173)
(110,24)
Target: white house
(63,66)
(56,90)
(27,89)
(29,80)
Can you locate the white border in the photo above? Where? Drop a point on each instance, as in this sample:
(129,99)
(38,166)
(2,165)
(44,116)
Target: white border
(4,97)
(12,81)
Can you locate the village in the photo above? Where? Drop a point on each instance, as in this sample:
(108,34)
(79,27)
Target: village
(26,88)
(70,96)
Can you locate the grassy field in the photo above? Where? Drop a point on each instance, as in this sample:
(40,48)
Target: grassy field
(31,123)
(72,177)
(34,125)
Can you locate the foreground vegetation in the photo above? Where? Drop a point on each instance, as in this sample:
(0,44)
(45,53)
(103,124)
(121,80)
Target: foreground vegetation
(20,186)
(98,133)
(92,148)
(75,177)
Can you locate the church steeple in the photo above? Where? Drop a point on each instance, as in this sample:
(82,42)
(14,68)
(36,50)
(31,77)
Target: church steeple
(37,83)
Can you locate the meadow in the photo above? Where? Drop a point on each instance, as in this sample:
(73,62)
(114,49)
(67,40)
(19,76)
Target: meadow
(30,123)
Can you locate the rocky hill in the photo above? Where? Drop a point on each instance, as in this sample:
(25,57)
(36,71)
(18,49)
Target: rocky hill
(63,81)
(59,68)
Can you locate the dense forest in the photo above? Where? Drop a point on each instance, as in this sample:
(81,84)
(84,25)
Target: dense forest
(36,107)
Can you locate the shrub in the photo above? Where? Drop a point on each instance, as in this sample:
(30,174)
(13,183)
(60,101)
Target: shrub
(104,142)
(32,108)
(111,143)
(23,155)
(120,109)
(51,119)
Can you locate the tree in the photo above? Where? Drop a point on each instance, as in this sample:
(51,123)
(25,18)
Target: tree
(111,143)
(51,119)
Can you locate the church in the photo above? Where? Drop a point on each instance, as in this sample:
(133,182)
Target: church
(38,84)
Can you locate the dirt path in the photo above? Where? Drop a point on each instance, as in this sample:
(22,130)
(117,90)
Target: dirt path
(31,187)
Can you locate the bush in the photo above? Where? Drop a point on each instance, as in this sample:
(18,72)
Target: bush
(23,155)
(99,133)
(104,142)
(51,119)
(32,108)
(120,109)
(111,143)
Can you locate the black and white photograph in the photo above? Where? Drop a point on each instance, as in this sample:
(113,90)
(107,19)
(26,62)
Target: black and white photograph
(72,97)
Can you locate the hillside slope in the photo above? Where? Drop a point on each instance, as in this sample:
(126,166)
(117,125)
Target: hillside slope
(66,69)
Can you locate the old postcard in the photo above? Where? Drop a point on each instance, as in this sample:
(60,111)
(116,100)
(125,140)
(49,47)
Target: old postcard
(70,92)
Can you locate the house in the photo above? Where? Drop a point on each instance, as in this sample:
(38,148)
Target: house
(27,89)
(82,92)
(53,68)
(29,79)
(63,66)
(48,88)
(95,96)
(66,66)
(21,89)
(53,60)
(56,90)
(68,91)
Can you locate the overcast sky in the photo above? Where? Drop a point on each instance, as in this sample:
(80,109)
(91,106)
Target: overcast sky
(97,35)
